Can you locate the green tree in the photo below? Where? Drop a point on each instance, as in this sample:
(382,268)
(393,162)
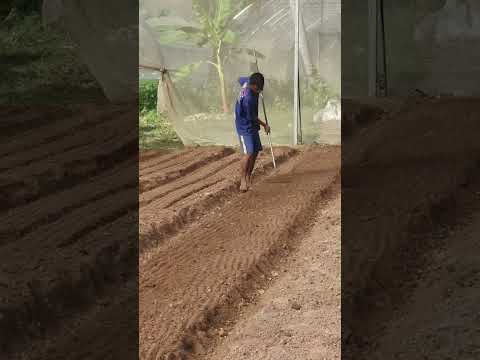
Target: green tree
(214,30)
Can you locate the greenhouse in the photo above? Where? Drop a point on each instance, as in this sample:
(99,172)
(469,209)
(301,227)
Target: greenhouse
(198,49)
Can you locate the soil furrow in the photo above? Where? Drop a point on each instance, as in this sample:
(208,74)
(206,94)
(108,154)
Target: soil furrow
(78,236)
(162,177)
(106,130)
(16,222)
(214,169)
(45,291)
(64,158)
(187,194)
(56,130)
(67,229)
(153,157)
(269,328)
(158,223)
(187,279)
(177,161)
(15,122)
(221,192)
(183,158)
(31,182)
(199,175)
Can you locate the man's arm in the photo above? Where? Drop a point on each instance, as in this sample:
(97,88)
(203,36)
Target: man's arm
(265,126)
(261,122)
(252,114)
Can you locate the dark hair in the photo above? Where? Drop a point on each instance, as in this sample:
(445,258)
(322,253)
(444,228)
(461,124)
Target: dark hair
(257,79)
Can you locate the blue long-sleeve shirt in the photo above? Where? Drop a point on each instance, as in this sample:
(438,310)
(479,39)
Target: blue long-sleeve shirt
(246,111)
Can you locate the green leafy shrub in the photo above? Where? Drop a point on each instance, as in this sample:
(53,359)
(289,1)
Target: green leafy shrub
(148,95)
(156,133)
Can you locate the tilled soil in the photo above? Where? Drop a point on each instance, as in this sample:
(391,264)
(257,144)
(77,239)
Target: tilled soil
(179,188)
(298,316)
(68,220)
(440,313)
(195,280)
(400,174)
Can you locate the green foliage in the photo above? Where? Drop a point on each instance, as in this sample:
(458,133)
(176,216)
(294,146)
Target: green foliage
(184,72)
(147,95)
(213,30)
(213,18)
(156,133)
(154,130)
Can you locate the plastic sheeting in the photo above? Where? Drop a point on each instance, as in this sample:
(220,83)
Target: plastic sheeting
(431,45)
(107,44)
(451,36)
(200,48)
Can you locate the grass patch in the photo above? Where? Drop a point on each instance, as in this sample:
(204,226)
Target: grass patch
(154,130)
(156,133)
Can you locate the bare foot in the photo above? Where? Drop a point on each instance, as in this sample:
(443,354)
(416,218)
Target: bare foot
(243,185)
(249,182)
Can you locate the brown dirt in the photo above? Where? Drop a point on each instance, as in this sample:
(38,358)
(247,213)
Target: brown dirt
(298,316)
(55,268)
(183,193)
(164,172)
(197,278)
(53,157)
(399,174)
(440,315)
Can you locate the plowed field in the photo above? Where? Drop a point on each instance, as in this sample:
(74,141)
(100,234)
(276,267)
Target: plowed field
(206,247)
(68,235)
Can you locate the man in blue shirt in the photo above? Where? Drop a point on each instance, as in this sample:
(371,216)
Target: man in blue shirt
(248,126)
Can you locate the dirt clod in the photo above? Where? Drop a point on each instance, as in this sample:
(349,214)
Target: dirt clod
(295,305)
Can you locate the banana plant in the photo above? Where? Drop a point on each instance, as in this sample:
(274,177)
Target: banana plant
(214,30)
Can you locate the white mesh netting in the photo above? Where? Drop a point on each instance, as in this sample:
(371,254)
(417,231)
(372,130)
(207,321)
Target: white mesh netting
(199,49)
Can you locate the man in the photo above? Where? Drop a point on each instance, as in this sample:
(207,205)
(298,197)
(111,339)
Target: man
(248,126)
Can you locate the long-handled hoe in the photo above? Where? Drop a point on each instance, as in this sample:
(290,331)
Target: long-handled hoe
(265,113)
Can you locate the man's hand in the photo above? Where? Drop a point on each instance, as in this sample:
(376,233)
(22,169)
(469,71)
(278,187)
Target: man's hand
(267,128)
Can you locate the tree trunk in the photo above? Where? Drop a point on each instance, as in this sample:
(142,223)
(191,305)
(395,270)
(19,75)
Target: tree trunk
(221,78)
(223,92)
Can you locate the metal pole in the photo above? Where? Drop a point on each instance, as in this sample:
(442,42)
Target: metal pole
(296,73)
(372,47)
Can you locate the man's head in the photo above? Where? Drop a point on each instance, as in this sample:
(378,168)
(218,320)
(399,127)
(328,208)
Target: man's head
(256,82)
